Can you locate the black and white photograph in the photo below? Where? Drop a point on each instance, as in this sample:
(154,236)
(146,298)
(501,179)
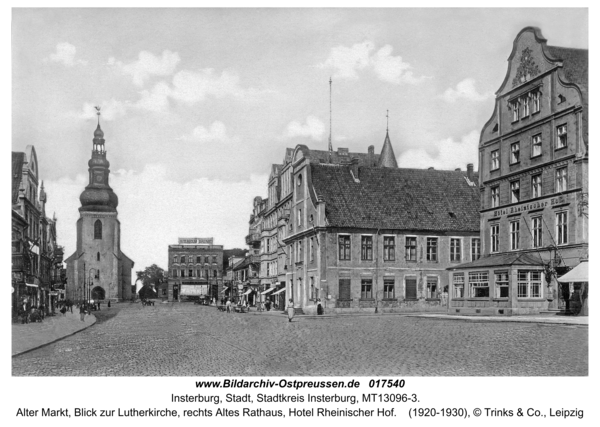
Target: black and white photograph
(276,203)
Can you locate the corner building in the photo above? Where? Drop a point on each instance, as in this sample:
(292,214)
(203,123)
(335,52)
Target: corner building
(533,157)
(98,269)
(365,235)
(195,269)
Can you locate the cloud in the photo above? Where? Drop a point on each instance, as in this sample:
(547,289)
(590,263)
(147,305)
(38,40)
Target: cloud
(148,65)
(194,86)
(465,89)
(65,54)
(148,200)
(347,62)
(313,128)
(156,99)
(110,110)
(445,154)
(215,132)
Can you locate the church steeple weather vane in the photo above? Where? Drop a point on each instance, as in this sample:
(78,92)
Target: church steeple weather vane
(387,118)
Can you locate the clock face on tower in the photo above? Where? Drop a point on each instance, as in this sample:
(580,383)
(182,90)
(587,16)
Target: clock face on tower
(98,178)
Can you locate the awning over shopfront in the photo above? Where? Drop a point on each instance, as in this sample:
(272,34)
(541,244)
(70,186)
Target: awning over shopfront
(36,282)
(224,289)
(247,292)
(267,291)
(578,274)
(279,291)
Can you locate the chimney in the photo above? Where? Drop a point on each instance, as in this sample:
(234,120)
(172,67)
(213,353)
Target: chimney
(354,168)
(470,171)
(371,155)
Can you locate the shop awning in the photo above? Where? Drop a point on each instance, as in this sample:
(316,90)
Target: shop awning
(267,291)
(224,289)
(247,292)
(578,274)
(35,284)
(279,291)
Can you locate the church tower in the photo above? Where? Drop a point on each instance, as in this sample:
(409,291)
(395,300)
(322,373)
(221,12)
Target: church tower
(98,269)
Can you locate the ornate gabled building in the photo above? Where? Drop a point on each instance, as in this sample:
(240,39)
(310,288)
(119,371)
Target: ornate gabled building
(98,269)
(533,157)
(35,253)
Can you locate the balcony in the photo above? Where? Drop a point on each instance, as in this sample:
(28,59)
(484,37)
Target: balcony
(254,258)
(252,238)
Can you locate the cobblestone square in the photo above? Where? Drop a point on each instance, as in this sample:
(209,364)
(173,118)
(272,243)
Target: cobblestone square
(192,340)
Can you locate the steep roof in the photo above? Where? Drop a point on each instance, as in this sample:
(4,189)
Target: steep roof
(322,156)
(398,199)
(575,70)
(387,159)
(17,174)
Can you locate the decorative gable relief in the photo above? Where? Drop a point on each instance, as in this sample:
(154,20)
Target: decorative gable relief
(527,68)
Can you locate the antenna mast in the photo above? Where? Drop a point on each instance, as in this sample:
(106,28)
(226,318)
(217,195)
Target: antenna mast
(330,145)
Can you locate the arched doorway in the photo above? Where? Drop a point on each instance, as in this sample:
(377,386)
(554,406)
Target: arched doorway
(98,293)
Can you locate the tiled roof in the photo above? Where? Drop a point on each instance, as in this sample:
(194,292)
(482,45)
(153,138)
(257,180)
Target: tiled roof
(502,260)
(17,174)
(575,70)
(397,199)
(322,156)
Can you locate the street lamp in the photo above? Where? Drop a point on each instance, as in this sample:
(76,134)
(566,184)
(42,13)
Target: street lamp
(90,284)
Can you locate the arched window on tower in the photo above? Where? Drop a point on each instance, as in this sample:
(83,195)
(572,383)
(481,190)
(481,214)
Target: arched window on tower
(98,229)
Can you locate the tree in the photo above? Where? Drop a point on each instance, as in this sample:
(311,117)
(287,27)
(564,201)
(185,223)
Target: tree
(151,276)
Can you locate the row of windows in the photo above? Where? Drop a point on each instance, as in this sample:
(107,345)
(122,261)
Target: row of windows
(410,248)
(525,105)
(194,273)
(536,232)
(536,148)
(432,290)
(560,185)
(529,284)
(190,259)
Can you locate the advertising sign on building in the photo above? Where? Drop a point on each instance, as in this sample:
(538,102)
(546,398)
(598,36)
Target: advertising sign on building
(194,290)
(195,240)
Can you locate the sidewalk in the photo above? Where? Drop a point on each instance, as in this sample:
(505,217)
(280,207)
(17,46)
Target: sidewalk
(34,335)
(544,319)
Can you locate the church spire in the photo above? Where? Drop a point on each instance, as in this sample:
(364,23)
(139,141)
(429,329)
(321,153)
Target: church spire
(98,196)
(387,158)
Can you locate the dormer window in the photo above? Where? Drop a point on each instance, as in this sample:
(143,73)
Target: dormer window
(561,98)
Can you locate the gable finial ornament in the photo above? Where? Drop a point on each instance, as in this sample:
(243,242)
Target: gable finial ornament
(527,68)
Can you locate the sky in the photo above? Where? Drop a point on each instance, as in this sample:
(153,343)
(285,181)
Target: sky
(198,103)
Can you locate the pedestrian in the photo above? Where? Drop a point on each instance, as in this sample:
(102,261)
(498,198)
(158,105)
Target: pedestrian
(228,305)
(108,303)
(82,312)
(319,307)
(98,305)
(290,310)
(63,310)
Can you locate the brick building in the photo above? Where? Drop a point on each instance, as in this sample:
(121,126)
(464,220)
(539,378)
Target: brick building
(195,269)
(533,157)
(363,234)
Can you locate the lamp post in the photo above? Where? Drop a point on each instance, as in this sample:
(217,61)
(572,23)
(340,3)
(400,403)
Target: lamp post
(90,283)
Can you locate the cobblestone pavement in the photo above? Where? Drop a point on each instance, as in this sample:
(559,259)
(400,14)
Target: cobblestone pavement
(191,340)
